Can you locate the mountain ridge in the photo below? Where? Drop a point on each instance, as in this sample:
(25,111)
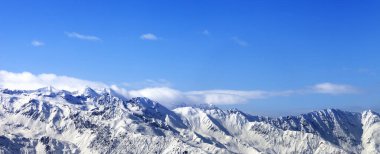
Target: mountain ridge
(50,120)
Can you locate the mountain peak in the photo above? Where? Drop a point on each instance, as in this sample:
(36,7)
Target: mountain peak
(202,106)
(145,102)
(48,89)
(368,113)
(111,92)
(89,92)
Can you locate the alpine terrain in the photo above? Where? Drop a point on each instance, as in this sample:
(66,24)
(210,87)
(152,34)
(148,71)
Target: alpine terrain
(48,120)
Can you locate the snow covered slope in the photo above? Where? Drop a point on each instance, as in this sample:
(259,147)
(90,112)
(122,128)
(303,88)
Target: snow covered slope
(101,121)
(371,129)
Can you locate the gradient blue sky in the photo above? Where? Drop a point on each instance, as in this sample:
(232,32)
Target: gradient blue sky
(203,45)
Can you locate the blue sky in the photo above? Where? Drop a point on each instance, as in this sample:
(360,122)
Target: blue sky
(188,46)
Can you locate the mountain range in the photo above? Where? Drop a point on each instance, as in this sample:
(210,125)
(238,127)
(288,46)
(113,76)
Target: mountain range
(48,120)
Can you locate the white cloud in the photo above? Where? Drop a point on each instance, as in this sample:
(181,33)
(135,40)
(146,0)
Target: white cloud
(37,43)
(165,95)
(240,41)
(170,97)
(330,88)
(82,37)
(29,81)
(149,36)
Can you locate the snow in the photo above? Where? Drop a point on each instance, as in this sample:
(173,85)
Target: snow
(49,120)
(371,129)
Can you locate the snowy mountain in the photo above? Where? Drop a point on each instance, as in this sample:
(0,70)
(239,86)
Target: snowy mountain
(48,120)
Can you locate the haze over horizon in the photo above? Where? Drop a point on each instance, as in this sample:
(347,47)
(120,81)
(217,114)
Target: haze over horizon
(263,57)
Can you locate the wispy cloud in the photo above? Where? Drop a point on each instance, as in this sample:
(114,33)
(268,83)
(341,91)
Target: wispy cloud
(331,88)
(233,96)
(165,95)
(206,32)
(82,36)
(148,83)
(37,43)
(240,41)
(149,36)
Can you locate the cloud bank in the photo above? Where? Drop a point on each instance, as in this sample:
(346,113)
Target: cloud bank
(29,81)
(165,95)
